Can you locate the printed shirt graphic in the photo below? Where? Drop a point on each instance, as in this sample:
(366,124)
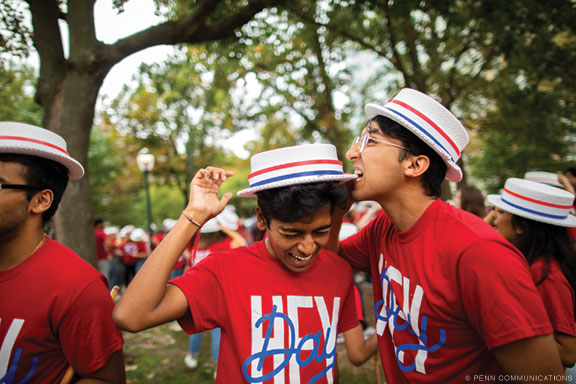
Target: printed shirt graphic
(557,296)
(55,311)
(446,291)
(277,326)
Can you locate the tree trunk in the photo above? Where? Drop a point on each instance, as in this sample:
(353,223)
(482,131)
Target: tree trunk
(73,221)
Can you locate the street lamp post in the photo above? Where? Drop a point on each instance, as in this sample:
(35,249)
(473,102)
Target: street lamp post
(145,161)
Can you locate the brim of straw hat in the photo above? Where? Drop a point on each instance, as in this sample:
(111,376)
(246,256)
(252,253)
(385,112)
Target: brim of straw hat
(496,200)
(251,192)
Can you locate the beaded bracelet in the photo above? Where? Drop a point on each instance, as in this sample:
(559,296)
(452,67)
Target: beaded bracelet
(190,219)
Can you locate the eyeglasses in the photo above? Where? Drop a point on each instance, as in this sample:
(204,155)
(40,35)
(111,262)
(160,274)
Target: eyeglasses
(364,140)
(20,186)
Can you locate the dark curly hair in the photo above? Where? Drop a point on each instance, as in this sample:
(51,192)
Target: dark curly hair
(297,202)
(549,241)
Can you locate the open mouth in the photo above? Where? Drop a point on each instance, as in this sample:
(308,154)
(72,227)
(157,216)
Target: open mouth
(358,173)
(300,261)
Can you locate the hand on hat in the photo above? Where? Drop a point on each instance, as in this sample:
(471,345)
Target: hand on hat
(204,189)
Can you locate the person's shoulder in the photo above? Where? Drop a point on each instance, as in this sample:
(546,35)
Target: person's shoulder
(459,231)
(326,256)
(456,220)
(63,258)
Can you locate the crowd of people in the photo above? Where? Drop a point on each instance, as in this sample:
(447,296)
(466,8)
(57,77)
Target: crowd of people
(474,290)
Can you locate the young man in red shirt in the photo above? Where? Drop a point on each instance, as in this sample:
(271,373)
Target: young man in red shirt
(451,295)
(280,302)
(55,308)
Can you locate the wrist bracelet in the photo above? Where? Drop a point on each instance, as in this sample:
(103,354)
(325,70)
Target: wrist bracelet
(190,219)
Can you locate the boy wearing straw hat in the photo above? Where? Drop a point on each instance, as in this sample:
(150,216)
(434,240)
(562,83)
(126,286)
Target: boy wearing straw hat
(55,309)
(450,293)
(280,302)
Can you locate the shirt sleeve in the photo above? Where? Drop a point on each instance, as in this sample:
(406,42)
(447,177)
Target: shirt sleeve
(356,248)
(498,294)
(201,286)
(87,334)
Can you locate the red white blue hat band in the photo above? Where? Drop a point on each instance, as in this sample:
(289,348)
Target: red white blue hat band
(302,164)
(430,121)
(26,139)
(536,201)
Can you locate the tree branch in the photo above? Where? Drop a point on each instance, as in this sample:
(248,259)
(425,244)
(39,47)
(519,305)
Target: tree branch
(82,34)
(48,43)
(342,32)
(192,29)
(397,62)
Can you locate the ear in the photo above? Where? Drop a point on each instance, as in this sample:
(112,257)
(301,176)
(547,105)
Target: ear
(41,201)
(416,165)
(260,219)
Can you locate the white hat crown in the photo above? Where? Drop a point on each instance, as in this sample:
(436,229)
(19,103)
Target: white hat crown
(430,121)
(210,226)
(138,234)
(536,201)
(300,164)
(26,139)
(549,178)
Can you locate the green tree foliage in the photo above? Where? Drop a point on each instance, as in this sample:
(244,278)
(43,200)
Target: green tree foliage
(531,116)
(16,94)
(501,67)
(15,35)
(70,79)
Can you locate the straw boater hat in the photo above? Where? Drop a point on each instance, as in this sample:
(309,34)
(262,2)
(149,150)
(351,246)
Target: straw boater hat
(228,218)
(301,164)
(543,177)
(210,226)
(26,139)
(430,121)
(138,234)
(536,201)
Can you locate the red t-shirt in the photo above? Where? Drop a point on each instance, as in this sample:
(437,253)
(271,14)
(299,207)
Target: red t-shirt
(242,290)
(446,292)
(101,251)
(201,254)
(557,296)
(55,311)
(130,249)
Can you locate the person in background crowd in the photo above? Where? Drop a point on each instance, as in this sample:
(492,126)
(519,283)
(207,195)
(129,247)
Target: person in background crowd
(450,293)
(128,251)
(139,238)
(55,308)
(470,199)
(570,175)
(102,256)
(280,302)
(534,218)
(116,267)
(218,234)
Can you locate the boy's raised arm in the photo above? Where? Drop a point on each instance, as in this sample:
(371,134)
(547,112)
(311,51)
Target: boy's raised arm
(149,300)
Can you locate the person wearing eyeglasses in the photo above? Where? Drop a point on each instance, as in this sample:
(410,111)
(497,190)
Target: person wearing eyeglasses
(450,293)
(55,308)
